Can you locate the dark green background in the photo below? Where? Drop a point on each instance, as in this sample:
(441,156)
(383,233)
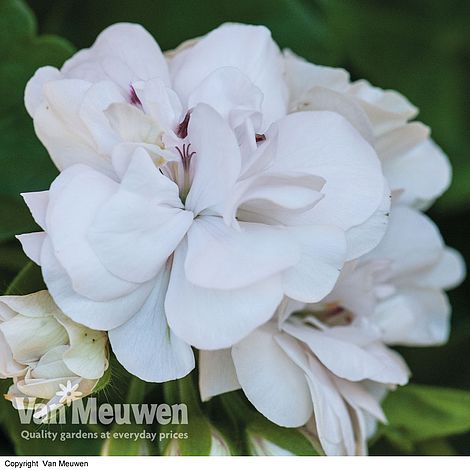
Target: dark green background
(418,47)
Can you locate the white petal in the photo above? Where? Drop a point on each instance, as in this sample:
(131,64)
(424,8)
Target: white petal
(221,257)
(37,305)
(51,365)
(423,173)
(363,238)
(325,144)
(146,346)
(414,317)
(302,76)
(86,355)
(412,242)
(30,338)
(386,109)
(124,53)
(160,102)
(33,94)
(137,229)
(324,99)
(338,353)
(217,373)
(247,48)
(73,207)
(32,244)
(215,318)
(333,424)
(37,203)
(216,164)
(230,93)
(272,382)
(97,315)
(322,257)
(8,366)
(447,273)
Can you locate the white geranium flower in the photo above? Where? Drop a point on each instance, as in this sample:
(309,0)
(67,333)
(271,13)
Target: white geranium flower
(415,167)
(45,352)
(122,93)
(304,372)
(209,231)
(399,286)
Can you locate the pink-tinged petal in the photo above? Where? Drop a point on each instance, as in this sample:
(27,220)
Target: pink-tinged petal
(221,257)
(97,315)
(215,318)
(216,164)
(323,251)
(33,94)
(37,203)
(146,346)
(75,198)
(217,373)
(272,382)
(135,231)
(123,53)
(247,48)
(32,244)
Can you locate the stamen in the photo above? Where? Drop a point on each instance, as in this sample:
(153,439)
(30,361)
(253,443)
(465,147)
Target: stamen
(185,155)
(260,138)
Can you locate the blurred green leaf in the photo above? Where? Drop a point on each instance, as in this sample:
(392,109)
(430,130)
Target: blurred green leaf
(294,23)
(421,49)
(28,280)
(292,440)
(419,413)
(24,162)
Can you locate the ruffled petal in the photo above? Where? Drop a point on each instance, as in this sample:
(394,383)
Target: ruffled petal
(215,318)
(221,257)
(247,48)
(274,384)
(146,346)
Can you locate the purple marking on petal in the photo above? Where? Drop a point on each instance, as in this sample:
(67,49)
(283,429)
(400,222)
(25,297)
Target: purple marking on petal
(182,130)
(134,99)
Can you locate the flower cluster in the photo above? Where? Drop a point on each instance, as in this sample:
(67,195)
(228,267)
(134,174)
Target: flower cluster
(233,198)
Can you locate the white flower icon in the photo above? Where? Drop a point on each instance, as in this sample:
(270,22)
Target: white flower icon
(68,393)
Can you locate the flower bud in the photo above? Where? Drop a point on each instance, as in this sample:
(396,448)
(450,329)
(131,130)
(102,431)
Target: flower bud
(51,359)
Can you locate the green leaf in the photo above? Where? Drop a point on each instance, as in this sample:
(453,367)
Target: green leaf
(24,162)
(28,280)
(419,413)
(292,440)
